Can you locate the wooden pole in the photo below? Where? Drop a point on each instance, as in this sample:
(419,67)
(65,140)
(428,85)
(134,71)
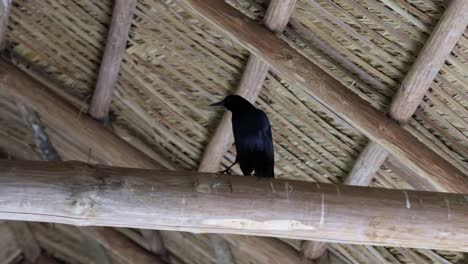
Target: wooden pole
(4,13)
(298,70)
(415,84)
(82,194)
(430,60)
(276,19)
(112,59)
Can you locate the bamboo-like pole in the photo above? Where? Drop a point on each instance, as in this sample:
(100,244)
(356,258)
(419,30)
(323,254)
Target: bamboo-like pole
(298,70)
(82,194)
(430,60)
(415,84)
(112,59)
(276,19)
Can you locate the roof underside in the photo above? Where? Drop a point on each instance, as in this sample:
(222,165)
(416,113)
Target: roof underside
(176,64)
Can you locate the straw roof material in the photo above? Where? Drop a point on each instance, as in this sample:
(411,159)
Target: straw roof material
(176,64)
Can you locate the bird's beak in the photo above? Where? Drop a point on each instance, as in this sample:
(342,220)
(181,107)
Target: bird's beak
(218,104)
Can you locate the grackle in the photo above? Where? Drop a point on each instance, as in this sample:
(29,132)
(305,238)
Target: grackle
(252,136)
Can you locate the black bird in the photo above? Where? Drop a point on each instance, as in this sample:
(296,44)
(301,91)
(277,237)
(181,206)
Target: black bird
(252,136)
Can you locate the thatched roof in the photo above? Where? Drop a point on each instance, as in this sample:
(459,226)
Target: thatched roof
(176,64)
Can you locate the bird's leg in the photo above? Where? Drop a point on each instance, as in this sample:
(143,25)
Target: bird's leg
(228,170)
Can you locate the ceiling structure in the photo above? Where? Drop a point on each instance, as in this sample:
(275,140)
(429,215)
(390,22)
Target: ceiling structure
(176,63)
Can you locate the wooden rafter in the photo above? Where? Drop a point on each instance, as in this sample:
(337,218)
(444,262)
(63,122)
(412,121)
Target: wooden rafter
(112,59)
(82,194)
(276,19)
(416,83)
(298,70)
(60,116)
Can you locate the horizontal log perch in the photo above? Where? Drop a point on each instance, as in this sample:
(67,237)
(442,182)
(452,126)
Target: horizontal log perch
(82,194)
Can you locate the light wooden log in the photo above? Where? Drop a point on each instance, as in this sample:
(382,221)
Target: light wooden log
(4,14)
(299,71)
(368,163)
(415,84)
(413,87)
(122,15)
(276,19)
(430,60)
(105,146)
(82,194)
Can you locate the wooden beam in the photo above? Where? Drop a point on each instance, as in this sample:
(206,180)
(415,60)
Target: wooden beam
(430,60)
(4,14)
(112,59)
(276,19)
(415,84)
(299,71)
(105,146)
(413,87)
(82,194)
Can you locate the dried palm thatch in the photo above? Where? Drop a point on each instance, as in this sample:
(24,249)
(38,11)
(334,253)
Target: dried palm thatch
(176,64)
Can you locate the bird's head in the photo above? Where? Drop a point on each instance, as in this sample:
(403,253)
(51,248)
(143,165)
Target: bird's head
(235,103)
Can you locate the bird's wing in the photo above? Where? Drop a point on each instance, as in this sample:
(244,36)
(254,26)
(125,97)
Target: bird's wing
(254,143)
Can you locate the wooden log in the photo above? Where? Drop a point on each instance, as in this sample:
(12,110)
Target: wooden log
(82,194)
(430,60)
(368,163)
(276,19)
(415,84)
(58,115)
(299,71)
(122,15)
(4,13)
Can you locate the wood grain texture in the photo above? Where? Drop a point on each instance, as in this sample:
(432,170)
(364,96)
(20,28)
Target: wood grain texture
(81,194)
(430,60)
(255,72)
(122,15)
(299,71)
(58,115)
(4,13)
